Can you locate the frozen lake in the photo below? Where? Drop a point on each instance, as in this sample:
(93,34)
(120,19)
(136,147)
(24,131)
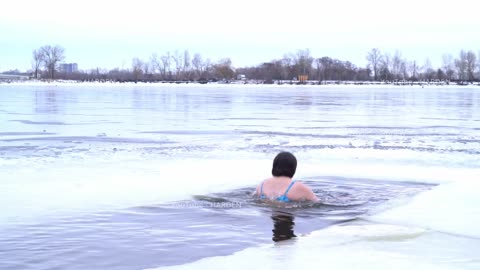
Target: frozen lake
(148,176)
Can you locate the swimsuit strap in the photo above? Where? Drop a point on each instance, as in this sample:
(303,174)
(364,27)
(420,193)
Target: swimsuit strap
(261,190)
(288,189)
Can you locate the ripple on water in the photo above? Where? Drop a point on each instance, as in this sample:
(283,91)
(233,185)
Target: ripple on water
(162,234)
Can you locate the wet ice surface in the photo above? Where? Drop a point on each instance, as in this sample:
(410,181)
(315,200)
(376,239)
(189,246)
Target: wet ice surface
(124,177)
(260,119)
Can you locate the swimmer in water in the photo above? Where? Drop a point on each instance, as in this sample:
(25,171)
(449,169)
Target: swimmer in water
(281,187)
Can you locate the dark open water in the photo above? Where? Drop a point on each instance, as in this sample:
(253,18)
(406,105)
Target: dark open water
(184,231)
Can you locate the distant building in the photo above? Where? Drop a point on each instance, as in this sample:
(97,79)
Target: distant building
(241,77)
(69,68)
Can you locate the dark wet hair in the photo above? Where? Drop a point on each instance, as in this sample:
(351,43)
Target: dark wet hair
(284,164)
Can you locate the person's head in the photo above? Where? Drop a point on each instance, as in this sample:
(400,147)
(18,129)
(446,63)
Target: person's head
(284,164)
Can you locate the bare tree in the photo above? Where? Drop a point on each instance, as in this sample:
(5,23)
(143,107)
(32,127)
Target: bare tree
(283,69)
(37,61)
(137,69)
(288,64)
(155,63)
(320,70)
(197,64)
(471,60)
(52,55)
(178,61)
(397,65)
(223,69)
(165,69)
(147,70)
(384,67)
(374,58)
(207,68)
(414,69)
(447,66)
(478,65)
(324,66)
(428,72)
(186,65)
(403,69)
(303,62)
(461,65)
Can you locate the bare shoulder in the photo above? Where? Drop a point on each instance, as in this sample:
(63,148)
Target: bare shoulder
(259,187)
(302,191)
(300,186)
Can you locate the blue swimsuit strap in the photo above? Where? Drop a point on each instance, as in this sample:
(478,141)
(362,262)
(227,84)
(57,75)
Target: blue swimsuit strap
(281,198)
(261,191)
(289,187)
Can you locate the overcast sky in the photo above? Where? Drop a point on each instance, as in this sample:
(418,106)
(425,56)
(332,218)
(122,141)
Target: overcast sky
(109,34)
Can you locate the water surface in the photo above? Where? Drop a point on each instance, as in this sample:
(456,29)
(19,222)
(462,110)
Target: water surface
(134,177)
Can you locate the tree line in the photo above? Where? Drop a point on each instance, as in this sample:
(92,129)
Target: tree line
(387,67)
(48,57)
(181,66)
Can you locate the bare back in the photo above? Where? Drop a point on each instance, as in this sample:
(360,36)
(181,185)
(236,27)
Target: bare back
(276,187)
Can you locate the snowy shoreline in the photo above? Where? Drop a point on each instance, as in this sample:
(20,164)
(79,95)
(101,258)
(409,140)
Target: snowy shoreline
(343,84)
